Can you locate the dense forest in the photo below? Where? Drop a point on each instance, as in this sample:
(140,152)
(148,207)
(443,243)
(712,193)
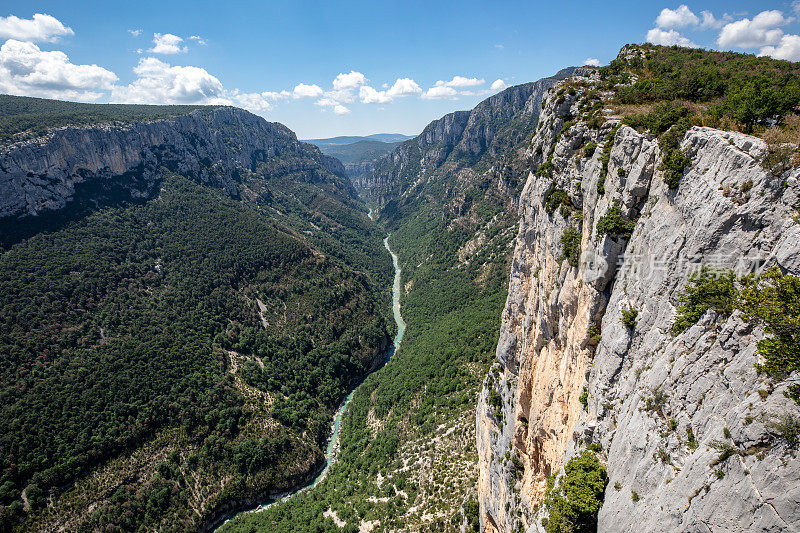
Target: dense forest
(23,117)
(192,321)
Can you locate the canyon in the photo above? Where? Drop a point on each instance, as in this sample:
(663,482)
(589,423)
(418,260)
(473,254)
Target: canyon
(543,245)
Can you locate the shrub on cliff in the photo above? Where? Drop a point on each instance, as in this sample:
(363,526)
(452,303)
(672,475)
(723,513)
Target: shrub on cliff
(615,224)
(629,316)
(571,246)
(573,503)
(707,289)
(774,300)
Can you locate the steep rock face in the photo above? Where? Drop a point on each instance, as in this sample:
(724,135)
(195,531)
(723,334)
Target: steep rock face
(461,138)
(211,146)
(531,413)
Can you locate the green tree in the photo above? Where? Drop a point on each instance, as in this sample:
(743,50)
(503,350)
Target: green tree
(574,502)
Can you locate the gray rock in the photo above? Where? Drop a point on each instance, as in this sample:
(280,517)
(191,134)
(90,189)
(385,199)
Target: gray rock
(704,378)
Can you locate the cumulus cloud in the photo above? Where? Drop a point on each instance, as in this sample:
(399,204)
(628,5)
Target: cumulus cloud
(28,71)
(302,90)
(41,28)
(158,82)
(199,40)
(135,33)
(460,81)
(351,80)
(788,48)
(340,109)
(592,62)
(404,87)
(668,38)
(763,30)
(368,95)
(498,85)
(710,21)
(676,18)
(167,43)
(439,92)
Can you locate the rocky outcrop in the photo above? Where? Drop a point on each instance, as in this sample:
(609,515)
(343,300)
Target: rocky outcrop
(655,403)
(462,138)
(43,175)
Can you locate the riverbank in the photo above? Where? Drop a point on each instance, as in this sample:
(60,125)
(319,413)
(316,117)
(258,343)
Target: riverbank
(332,448)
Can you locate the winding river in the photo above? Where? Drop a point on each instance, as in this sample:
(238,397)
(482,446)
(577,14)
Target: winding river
(333,442)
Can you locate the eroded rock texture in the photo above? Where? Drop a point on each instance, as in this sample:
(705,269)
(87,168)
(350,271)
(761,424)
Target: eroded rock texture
(702,387)
(212,146)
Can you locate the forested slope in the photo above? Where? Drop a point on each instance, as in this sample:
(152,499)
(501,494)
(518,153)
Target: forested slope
(171,355)
(408,460)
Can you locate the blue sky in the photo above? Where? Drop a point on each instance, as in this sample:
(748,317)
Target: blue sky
(342,68)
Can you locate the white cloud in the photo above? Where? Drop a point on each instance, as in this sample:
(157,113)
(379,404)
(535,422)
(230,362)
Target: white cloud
(761,31)
(788,48)
(676,18)
(167,43)
(440,91)
(343,92)
(668,38)
(592,62)
(499,46)
(41,28)
(710,21)
(199,40)
(302,90)
(28,71)
(498,85)
(158,82)
(135,33)
(255,102)
(368,95)
(461,81)
(404,87)
(352,80)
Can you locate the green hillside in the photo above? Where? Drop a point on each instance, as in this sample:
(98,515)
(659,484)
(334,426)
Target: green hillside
(23,117)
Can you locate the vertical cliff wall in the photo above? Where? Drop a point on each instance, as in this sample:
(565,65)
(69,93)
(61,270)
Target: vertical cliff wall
(213,146)
(489,132)
(570,374)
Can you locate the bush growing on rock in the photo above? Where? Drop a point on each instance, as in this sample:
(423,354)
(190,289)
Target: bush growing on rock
(774,300)
(629,316)
(571,246)
(573,503)
(707,289)
(615,224)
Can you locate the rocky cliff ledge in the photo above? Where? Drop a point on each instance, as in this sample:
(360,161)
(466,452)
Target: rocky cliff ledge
(462,138)
(570,375)
(43,175)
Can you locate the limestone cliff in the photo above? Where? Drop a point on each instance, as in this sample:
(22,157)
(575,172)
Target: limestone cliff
(72,164)
(461,139)
(654,402)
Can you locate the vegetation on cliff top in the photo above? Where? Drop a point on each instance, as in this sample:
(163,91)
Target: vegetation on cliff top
(22,117)
(715,88)
(667,90)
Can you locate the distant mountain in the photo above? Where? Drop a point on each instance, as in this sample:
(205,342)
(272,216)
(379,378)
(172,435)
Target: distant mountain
(350,139)
(358,154)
